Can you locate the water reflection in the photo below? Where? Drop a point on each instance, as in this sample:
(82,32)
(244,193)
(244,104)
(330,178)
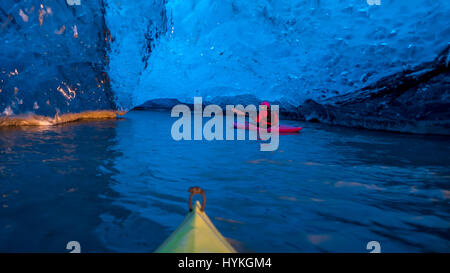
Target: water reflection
(328,189)
(122,186)
(51,187)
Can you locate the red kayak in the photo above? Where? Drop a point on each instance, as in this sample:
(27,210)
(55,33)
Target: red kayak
(281,128)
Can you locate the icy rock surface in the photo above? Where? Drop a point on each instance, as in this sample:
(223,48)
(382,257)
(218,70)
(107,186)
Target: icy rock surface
(277,50)
(415,101)
(136,27)
(53,57)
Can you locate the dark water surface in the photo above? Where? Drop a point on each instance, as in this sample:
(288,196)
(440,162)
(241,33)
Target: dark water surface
(121,185)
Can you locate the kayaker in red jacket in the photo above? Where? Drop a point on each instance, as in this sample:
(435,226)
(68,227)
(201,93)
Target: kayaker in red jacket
(264,118)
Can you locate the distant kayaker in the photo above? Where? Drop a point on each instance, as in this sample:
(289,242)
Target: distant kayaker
(265,117)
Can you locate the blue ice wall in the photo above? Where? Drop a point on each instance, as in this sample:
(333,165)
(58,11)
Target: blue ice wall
(53,57)
(288,50)
(136,28)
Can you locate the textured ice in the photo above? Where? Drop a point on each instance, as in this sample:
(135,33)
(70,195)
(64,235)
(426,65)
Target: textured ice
(285,50)
(54,54)
(53,57)
(136,26)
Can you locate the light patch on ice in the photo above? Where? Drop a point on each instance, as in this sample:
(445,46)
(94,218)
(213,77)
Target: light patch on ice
(70,94)
(23,15)
(8,111)
(75,32)
(61,30)
(14,73)
(41,15)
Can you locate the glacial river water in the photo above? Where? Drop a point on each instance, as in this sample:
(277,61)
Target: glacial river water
(121,185)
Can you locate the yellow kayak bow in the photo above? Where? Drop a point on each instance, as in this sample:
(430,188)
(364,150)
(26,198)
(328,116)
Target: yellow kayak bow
(196,234)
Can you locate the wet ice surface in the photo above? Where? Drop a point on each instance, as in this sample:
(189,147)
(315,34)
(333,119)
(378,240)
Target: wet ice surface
(121,185)
(52,58)
(287,50)
(59,57)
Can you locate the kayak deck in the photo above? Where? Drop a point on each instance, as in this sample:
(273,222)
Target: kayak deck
(196,234)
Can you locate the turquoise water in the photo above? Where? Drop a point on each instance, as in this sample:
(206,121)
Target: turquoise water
(121,185)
